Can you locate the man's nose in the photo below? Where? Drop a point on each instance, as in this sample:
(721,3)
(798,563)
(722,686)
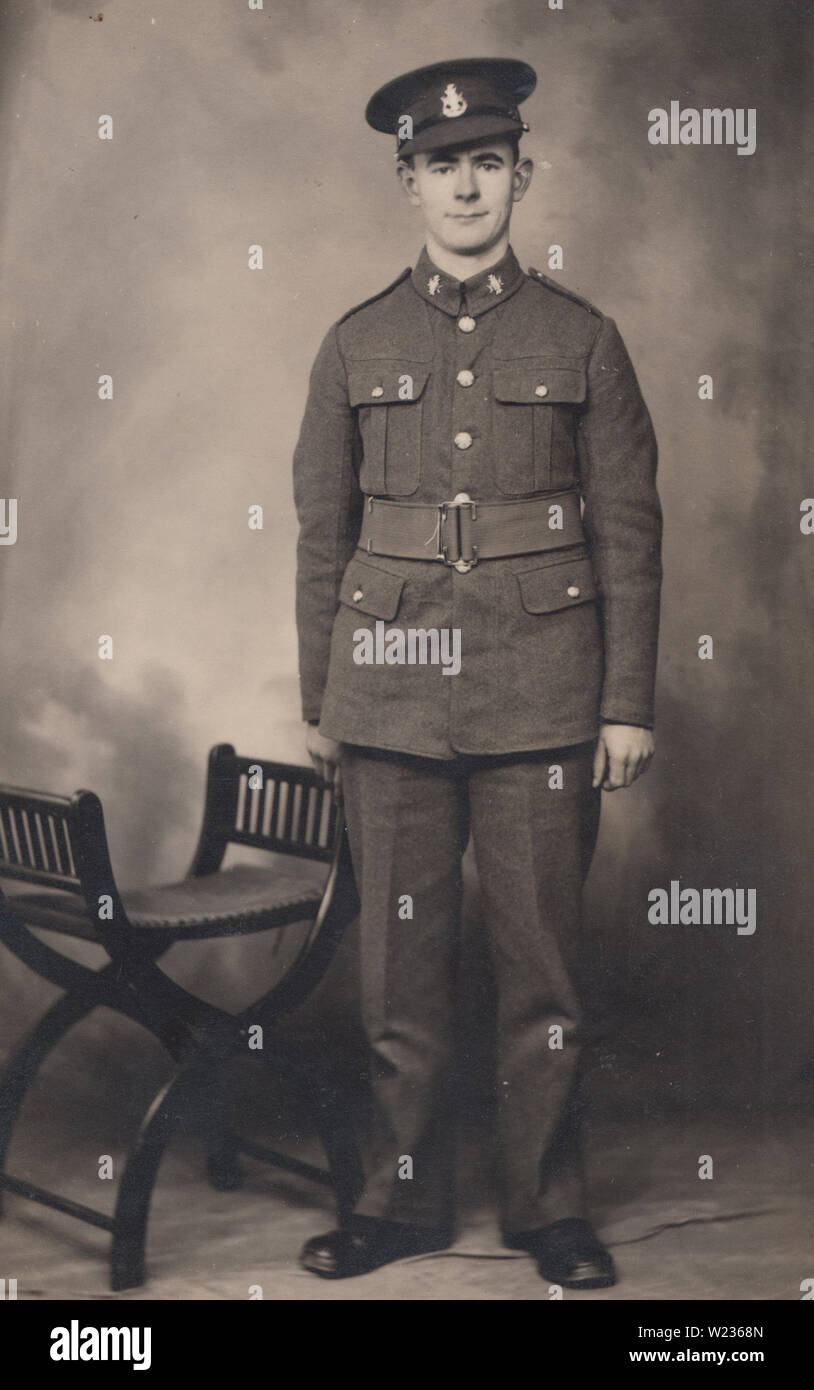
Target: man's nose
(466,186)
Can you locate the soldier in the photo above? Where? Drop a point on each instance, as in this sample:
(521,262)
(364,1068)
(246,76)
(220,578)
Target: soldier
(475,459)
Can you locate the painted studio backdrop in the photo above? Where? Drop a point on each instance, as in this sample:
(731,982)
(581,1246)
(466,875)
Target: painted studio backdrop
(129,257)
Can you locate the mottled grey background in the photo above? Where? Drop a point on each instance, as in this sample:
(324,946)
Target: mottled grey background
(235,127)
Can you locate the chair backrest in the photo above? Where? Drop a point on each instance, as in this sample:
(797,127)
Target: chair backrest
(41,836)
(281,807)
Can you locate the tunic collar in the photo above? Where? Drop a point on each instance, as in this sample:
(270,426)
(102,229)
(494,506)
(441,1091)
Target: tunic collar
(482,291)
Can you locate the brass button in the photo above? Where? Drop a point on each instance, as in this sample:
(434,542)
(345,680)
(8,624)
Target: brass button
(541,390)
(466,324)
(463,440)
(377,391)
(465,378)
(359,593)
(573,591)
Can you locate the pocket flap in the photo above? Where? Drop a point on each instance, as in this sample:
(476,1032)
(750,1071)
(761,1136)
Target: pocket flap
(386,383)
(562,584)
(369,589)
(538,384)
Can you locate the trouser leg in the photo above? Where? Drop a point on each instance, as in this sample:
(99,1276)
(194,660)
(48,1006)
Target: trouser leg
(405,818)
(533,846)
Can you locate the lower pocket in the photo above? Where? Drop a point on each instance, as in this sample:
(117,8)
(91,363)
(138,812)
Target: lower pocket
(368,589)
(561,583)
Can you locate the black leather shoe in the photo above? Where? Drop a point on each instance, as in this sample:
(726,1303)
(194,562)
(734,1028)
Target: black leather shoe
(348,1252)
(569,1253)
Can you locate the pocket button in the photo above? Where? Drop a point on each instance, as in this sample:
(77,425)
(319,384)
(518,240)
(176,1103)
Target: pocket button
(541,390)
(573,591)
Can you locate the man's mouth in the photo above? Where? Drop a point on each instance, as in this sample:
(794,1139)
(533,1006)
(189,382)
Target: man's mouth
(465,216)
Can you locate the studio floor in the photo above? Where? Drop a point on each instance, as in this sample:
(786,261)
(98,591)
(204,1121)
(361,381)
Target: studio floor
(746,1233)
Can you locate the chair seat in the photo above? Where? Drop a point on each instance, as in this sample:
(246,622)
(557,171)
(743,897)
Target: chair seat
(232,902)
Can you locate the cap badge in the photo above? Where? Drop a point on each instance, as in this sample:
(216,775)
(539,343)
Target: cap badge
(495,284)
(434,284)
(452,103)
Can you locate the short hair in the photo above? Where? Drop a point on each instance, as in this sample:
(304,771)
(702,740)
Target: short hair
(512,138)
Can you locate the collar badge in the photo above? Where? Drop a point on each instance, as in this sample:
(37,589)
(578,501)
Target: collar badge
(434,284)
(495,284)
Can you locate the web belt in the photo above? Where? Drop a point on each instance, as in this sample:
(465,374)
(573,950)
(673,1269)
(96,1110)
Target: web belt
(463,532)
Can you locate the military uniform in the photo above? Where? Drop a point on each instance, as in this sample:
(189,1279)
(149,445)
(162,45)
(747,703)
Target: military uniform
(505,389)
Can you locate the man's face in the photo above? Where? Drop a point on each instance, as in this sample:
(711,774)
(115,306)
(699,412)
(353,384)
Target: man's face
(466,194)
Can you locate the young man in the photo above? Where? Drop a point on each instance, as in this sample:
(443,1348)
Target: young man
(474,474)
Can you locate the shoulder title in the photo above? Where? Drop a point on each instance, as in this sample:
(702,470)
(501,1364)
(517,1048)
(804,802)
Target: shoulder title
(380,295)
(560,289)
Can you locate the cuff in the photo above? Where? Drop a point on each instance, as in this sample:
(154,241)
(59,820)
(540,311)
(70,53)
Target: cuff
(634,723)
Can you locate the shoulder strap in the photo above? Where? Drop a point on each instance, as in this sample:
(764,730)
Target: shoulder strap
(561,289)
(380,295)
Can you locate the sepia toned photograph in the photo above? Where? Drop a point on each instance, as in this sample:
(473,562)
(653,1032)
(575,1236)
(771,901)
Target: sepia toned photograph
(406,596)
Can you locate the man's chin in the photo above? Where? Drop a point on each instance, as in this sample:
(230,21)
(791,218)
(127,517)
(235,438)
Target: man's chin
(470,243)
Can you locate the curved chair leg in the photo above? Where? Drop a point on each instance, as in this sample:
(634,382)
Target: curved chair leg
(222,1149)
(336,1132)
(26,1060)
(127,1269)
(223,1166)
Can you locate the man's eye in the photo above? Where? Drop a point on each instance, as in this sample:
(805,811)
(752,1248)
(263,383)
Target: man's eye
(442,168)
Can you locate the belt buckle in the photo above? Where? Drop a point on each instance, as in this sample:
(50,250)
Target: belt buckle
(466,552)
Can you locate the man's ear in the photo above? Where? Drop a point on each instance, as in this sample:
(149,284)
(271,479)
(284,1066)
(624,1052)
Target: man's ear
(523,170)
(406,174)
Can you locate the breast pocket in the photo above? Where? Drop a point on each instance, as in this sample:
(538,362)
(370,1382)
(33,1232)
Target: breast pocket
(388,396)
(534,416)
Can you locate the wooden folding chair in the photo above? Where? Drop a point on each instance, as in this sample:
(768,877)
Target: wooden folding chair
(59,844)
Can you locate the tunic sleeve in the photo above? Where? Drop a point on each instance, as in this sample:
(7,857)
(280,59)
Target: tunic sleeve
(618,456)
(329,506)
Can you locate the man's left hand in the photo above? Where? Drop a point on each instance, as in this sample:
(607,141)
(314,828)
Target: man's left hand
(623,753)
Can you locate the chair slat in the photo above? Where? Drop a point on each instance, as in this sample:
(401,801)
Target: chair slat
(254,797)
(58,864)
(34,855)
(324,817)
(22,837)
(275,807)
(300,814)
(66,835)
(15,838)
(289,813)
(241,808)
(312,801)
(43,850)
(282,811)
(6,837)
(265,819)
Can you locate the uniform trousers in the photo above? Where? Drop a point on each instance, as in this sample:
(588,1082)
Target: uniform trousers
(409,819)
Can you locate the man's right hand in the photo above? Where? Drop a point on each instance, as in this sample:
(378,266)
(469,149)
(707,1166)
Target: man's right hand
(326,755)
